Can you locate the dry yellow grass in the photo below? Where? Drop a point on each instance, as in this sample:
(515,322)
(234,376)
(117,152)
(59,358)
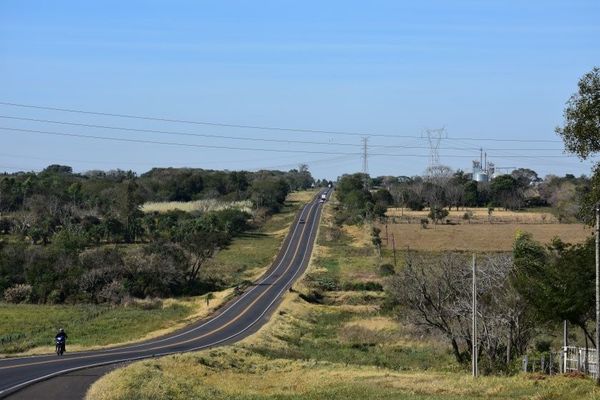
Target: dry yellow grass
(478,237)
(197,205)
(378,323)
(237,373)
(479,215)
(303,196)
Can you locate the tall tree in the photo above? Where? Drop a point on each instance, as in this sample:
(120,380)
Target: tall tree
(581,131)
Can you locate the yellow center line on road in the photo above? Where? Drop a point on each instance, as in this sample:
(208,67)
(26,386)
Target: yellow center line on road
(242,313)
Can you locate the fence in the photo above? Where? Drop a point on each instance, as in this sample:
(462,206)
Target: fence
(570,359)
(580,359)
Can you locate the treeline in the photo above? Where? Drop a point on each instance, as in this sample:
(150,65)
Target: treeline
(441,188)
(83,237)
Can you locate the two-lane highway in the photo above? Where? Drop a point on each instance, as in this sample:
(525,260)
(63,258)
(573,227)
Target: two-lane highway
(235,321)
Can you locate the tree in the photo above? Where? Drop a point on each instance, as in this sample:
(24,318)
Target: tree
(506,192)
(434,292)
(356,202)
(581,130)
(128,206)
(437,214)
(200,238)
(556,281)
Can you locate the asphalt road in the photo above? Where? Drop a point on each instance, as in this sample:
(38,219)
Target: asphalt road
(238,319)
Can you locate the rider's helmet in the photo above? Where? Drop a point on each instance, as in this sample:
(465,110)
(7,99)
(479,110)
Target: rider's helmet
(61,330)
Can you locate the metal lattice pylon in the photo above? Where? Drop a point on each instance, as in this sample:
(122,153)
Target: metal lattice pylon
(435,136)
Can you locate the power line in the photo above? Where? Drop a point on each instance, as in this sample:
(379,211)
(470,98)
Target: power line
(178,133)
(120,128)
(259,127)
(108,138)
(144,141)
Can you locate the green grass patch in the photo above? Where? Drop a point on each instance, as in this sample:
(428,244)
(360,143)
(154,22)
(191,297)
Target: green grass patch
(328,334)
(249,254)
(25,326)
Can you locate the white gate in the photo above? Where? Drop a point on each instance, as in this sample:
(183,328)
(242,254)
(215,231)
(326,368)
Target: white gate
(580,359)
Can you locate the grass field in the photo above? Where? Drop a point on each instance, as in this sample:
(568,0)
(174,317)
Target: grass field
(343,349)
(477,237)
(250,255)
(30,328)
(481,215)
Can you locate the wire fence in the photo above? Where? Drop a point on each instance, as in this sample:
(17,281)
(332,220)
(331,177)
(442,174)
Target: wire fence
(570,359)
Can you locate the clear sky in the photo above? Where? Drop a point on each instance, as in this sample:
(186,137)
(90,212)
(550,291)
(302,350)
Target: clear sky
(481,69)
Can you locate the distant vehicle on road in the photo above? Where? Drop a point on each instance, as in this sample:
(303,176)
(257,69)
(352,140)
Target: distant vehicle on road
(301,221)
(323,197)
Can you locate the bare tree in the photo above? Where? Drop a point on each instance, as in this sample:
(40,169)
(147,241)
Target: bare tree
(434,291)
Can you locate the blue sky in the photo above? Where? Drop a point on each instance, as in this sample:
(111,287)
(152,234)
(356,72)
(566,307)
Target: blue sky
(484,70)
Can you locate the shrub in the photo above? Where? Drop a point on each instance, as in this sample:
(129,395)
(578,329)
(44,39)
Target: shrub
(113,293)
(55,297)
(322,282)
(313,297)
(386,270)
(18,294)
(368,285)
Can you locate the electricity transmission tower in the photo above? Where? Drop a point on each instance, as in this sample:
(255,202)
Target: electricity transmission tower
(365,160)
(435,136)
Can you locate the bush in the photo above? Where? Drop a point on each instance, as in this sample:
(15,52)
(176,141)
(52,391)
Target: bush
(313,297)
(368,285)
(18,294)
(386,270)
(322,282)
(145,304)
(55,297)
(113,293)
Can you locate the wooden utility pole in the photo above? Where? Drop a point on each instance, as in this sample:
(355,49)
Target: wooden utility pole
(394,248)
(387,238)
(474,327)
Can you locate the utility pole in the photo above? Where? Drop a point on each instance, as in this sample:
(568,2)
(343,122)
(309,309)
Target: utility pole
(474,327)
(394,248)
(597,294)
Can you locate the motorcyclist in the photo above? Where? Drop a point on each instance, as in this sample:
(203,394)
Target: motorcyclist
(62,335)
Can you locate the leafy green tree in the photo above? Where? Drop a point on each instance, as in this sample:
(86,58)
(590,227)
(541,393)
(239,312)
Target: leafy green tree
(506,192)
(556,281)
(128,206)
(581,130)
(471,196)
(200,238)
(437,214)
(383,196)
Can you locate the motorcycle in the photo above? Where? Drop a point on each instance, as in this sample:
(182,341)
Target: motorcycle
(60,346)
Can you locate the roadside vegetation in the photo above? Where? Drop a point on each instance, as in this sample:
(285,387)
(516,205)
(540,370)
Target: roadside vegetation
(30,328)
(68,238)
(336,336)
(93,324)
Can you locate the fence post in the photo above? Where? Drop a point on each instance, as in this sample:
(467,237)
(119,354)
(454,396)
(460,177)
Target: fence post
(550,366)
(564,357)
(543,364)
(586,365)
(525,362)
